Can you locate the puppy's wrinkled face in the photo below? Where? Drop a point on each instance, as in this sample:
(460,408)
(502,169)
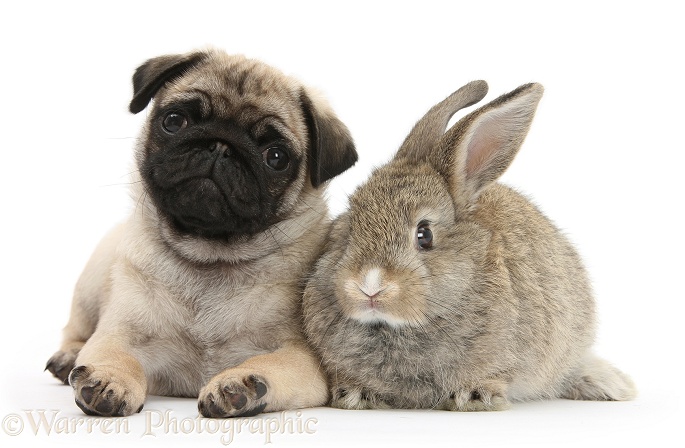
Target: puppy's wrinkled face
(225,148)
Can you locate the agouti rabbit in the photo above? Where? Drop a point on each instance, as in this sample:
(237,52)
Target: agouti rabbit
(441,288)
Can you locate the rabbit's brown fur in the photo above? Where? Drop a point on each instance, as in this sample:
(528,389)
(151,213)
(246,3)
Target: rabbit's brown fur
(498,309)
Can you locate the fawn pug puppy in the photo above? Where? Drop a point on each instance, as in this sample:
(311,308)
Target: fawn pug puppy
(197,293)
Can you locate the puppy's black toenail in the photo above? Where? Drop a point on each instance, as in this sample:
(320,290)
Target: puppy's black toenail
(85,410)
(87,394)
(104,407)
(201,408)
(260,387)
(139,409)
(475,395)
(215,410)
(76,372)
(252,412)
(120,410)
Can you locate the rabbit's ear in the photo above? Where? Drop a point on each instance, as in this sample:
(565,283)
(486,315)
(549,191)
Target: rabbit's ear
(480,147)
(423,137)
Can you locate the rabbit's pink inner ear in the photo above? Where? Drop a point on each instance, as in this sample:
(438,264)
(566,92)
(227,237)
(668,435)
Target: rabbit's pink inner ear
(484,143)
(482,148)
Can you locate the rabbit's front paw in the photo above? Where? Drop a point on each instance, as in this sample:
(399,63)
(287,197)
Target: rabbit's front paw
(356,398)
(479,398)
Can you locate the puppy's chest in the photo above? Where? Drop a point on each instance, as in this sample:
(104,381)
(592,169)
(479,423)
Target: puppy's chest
(209,321)
(217,313)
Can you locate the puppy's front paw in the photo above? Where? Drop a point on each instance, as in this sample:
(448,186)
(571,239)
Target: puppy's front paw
(481,398)
(61,363)
(233,395)
(106,391)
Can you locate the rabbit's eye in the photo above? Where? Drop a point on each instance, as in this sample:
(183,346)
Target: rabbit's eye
(424,236)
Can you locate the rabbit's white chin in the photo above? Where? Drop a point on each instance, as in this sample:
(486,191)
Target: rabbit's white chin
(372,316)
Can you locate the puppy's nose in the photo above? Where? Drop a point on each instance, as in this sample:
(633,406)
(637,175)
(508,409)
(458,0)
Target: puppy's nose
(221,147)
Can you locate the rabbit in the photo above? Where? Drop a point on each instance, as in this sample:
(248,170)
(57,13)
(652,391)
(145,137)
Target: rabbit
(441,288)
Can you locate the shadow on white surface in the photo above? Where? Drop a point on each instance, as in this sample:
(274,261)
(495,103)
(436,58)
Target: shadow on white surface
(42,411)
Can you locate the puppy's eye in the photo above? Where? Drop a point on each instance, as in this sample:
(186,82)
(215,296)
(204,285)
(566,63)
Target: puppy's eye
(424,235)
(276,158)
(174,122)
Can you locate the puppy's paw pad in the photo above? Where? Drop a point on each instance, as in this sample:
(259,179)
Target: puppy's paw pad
(60,364)
(233,397)
(99,392)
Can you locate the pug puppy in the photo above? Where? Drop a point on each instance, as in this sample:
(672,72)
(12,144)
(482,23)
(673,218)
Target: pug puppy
(197,294)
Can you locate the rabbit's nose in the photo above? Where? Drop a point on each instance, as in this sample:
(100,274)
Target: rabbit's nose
(372,283)
(371,293)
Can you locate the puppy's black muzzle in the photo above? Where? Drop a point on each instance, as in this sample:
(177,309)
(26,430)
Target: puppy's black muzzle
(210,183)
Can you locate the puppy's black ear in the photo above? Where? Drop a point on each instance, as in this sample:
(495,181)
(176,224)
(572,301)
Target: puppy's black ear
(331,148)
(155,72)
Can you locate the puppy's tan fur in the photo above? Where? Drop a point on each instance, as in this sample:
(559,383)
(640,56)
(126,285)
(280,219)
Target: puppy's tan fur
(161,312)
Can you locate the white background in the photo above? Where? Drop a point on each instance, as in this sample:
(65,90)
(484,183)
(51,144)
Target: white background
(604,159)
